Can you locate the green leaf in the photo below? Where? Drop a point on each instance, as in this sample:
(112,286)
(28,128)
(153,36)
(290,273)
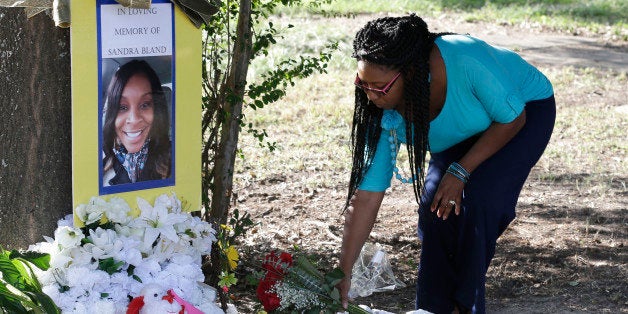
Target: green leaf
(7,294)
(334,276)
(9,272)
(29,279)
(41,260)
(42,304)
(109,265)
(10,305)
(16,296)
(335,294)
(25,295)
(307,265)
(227,279)
(354,309)
(47,305)
(315,310)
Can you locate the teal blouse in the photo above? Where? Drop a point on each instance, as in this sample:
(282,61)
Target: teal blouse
(485,84)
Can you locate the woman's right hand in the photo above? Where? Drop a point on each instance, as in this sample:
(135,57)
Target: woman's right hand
(359,220)
(344,286)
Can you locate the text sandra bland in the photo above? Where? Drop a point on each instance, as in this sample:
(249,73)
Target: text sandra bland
(137,51)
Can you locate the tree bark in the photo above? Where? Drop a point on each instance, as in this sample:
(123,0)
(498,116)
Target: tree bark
(236,82)
(35,133)
(229,134)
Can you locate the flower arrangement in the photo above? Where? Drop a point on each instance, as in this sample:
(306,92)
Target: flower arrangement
(119,253)
(294,285)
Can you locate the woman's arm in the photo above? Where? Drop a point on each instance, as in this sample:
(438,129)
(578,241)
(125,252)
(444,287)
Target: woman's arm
(359,221)
(493,139)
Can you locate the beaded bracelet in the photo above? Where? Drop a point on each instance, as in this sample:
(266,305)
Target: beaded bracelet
(459,172)
(460,169)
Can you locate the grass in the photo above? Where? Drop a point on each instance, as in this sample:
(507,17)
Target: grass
(598,17)
(590,134)
(572,16)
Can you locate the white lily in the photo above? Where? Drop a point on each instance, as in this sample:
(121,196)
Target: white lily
(68,237)
(172,203)
(156,221)
(118,211)
(91,212)
(105,243)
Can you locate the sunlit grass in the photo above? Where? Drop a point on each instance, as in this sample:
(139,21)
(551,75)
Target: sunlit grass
(353,7)
(590,133)
(598,16)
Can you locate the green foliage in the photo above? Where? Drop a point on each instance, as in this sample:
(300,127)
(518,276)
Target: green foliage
(20,291)
(219,38)
(227,236)
(109,265)
(220,105)
(227,279)
(237,227)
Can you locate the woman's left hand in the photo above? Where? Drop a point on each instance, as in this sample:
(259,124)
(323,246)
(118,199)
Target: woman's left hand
(449,193)
(448,196)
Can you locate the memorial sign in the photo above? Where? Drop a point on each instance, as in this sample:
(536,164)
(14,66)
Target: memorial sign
(135,102)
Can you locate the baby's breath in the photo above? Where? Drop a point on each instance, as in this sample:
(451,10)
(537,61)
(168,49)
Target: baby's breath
(297,298)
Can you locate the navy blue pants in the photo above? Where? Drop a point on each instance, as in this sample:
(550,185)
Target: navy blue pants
(456,253)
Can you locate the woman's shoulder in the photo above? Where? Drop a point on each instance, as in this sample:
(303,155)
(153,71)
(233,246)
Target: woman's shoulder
(457,39)
(459,44)
(468,52)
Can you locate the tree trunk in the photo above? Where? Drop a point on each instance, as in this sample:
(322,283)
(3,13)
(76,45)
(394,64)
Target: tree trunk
(35,132)
(225,155)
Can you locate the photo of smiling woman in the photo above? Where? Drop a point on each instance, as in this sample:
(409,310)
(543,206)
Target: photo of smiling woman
(136,129)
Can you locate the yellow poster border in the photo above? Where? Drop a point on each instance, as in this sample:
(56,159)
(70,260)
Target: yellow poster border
(85,150)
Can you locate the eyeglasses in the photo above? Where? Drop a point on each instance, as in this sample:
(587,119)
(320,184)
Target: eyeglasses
(380,92)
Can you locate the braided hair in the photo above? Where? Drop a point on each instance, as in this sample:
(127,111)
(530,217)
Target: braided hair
(403,44)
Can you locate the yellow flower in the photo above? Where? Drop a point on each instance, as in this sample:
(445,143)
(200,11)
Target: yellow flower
(232,257)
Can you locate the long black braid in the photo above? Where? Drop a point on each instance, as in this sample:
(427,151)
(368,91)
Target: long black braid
(404,44)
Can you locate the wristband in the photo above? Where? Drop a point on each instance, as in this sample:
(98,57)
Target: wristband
(459,172)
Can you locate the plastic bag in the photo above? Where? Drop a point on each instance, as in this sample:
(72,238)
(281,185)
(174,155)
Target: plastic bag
(372,273)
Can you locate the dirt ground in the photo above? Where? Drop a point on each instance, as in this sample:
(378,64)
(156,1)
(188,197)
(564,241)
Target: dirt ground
(564,253)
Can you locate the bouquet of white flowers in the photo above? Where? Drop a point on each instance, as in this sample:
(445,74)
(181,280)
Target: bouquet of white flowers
(100,267)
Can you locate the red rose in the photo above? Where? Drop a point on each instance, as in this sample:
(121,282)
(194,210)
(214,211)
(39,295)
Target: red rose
(269,300)
(277,266)
(286,258)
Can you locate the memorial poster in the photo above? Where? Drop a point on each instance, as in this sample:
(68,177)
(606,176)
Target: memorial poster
(135,102)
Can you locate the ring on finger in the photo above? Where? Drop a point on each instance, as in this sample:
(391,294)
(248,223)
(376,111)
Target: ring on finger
(452,203)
